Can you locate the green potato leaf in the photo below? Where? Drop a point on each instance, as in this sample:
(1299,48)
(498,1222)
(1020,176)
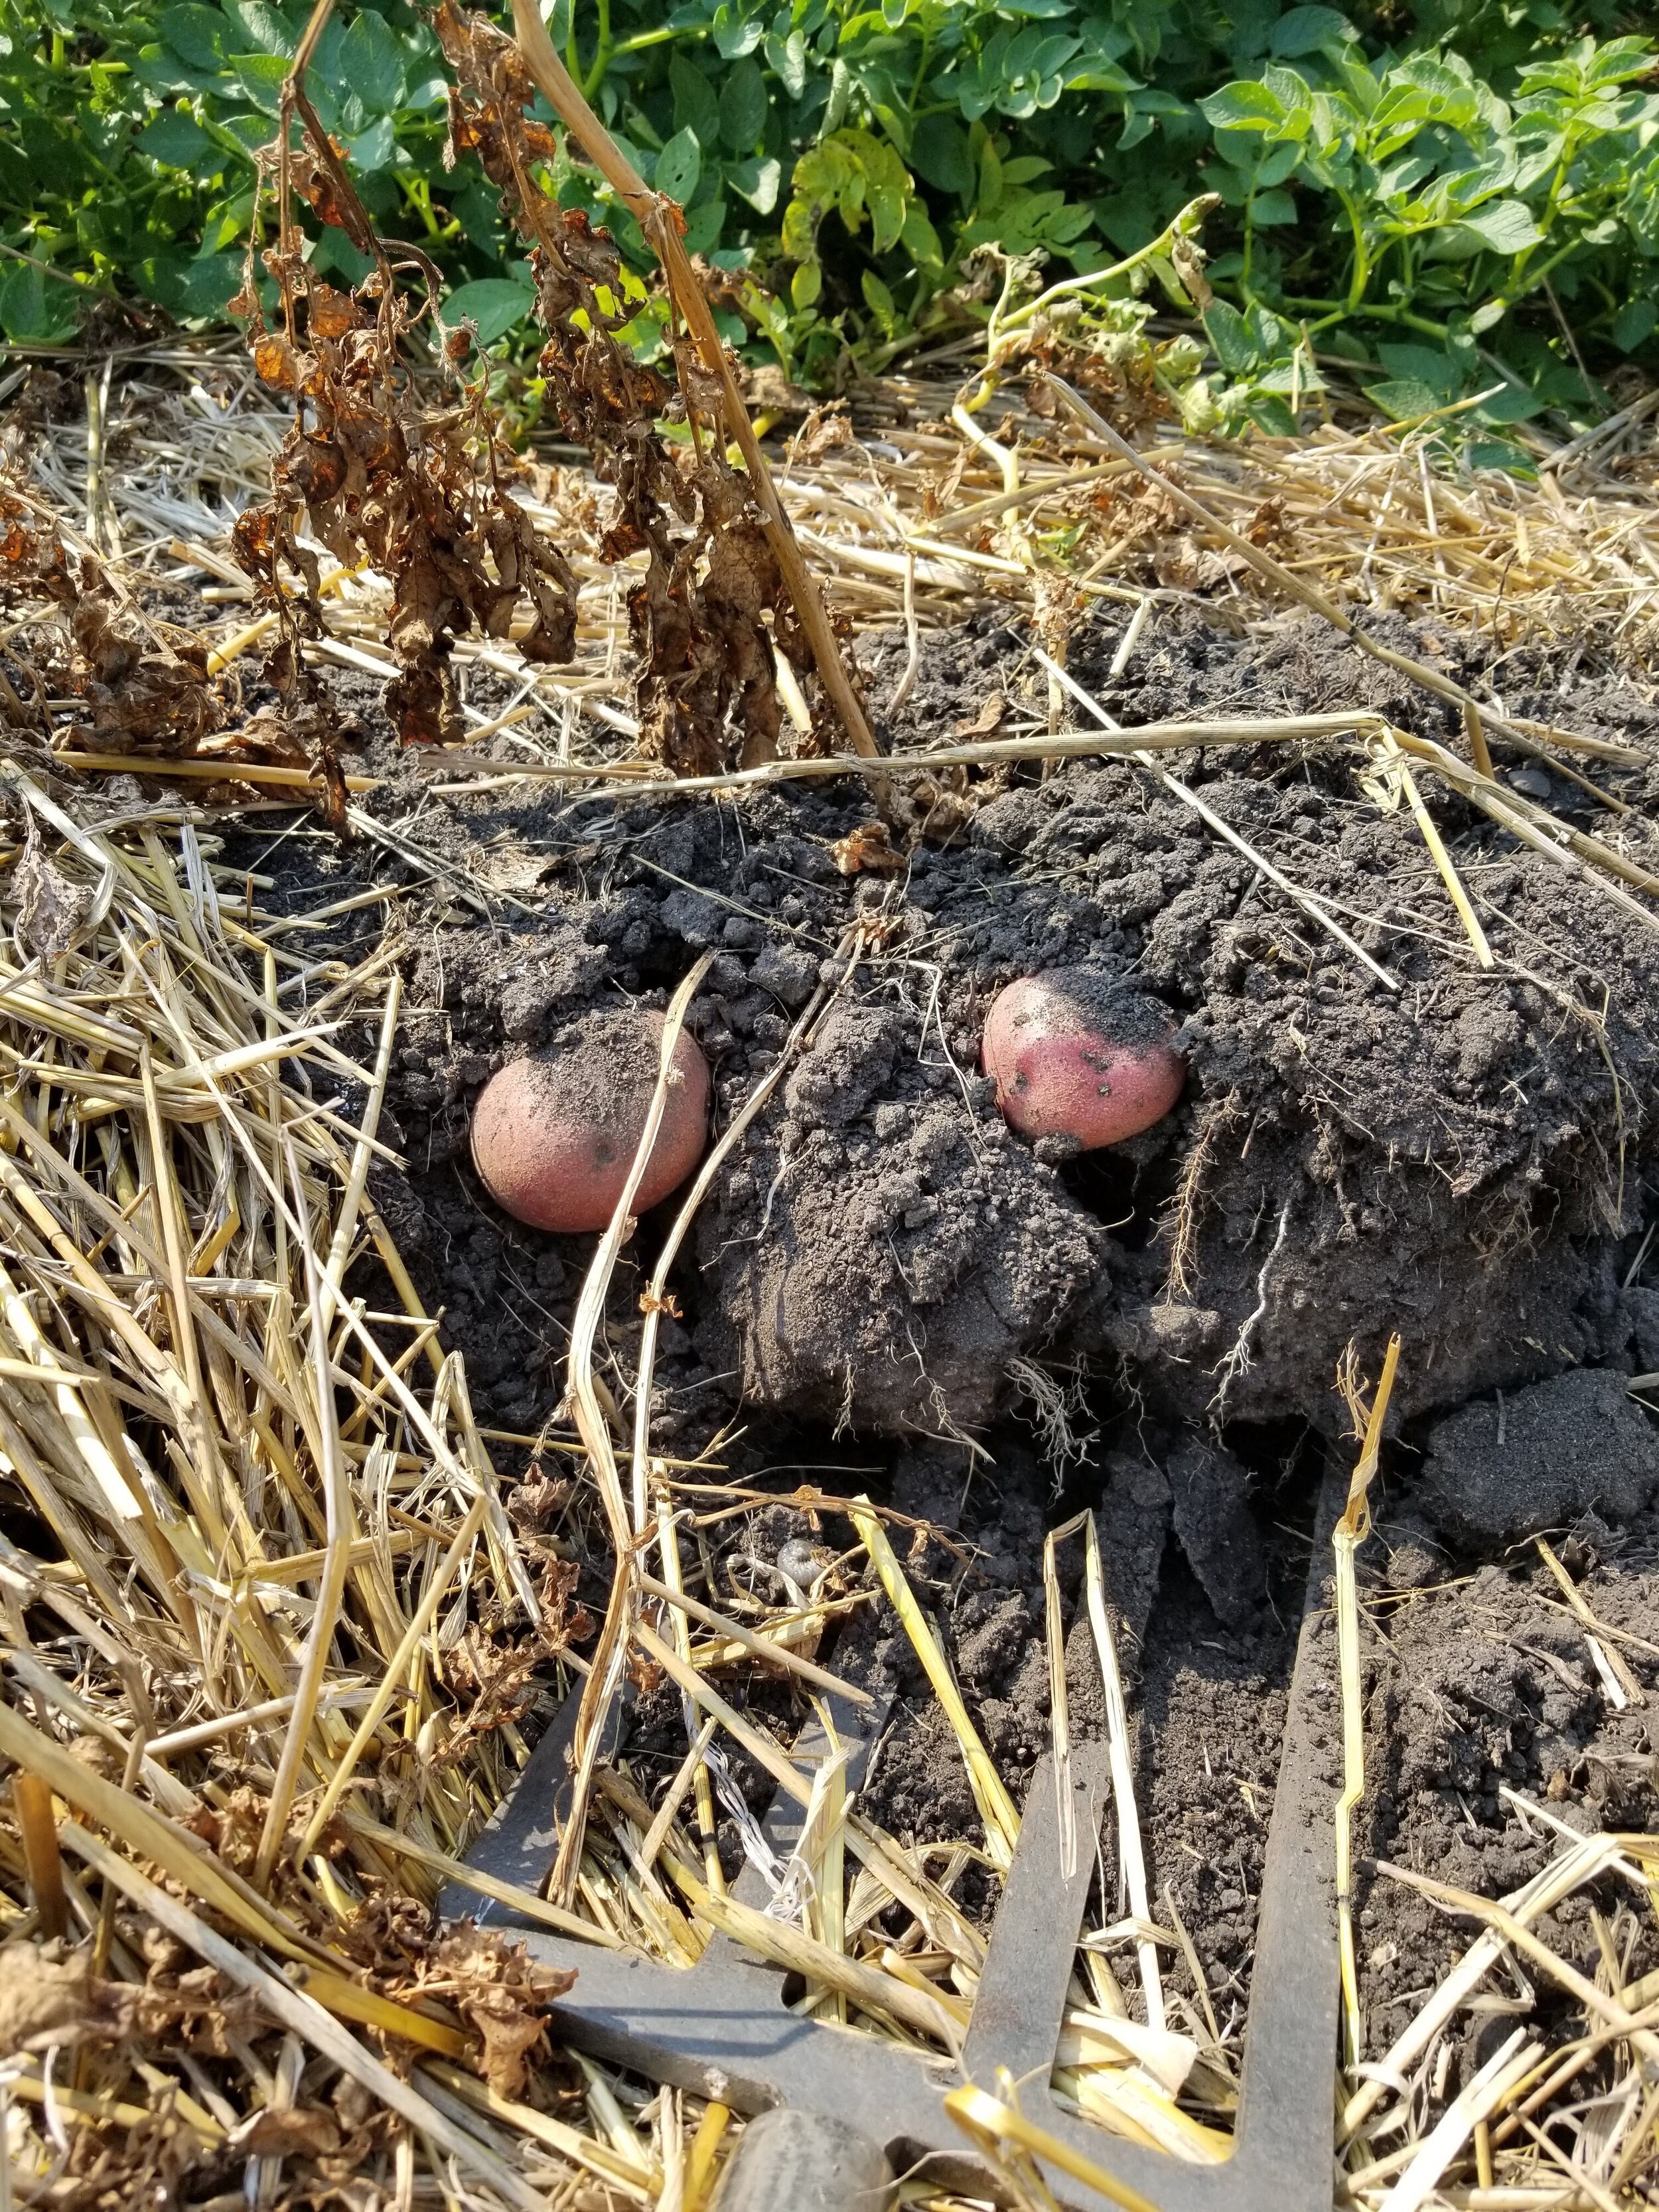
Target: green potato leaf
(175,139)
(743,106)
(195,34)
(679,166)
(35,309)
(735,35)
(494,304)
(1404,399)
(256,25)
(372,62)
(1268,209)
(1311,31)
(758,181)
(788,58)
(1503,227)
(939,152)
(261,77)
(696,108)
(374,149)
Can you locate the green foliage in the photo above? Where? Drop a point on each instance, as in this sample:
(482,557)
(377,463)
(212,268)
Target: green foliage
(1468,210)
(127,137)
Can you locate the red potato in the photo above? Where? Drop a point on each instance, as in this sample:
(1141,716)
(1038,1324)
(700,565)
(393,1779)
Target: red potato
(1068,1062)
(553,1137)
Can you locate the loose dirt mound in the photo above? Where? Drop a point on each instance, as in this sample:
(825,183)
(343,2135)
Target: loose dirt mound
(1457,1159)
(1484,1703)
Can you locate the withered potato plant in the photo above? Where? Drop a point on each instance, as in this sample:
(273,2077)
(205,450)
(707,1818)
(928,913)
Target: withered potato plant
(392,470)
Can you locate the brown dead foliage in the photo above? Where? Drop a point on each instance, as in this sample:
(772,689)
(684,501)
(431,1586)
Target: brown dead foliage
(391,468)
(536,1503)
(141,682)
(494,1986)
(989,718)
(52,914)
(388,472)
(501,1993)
(338,2139)
(232,1830)
(500,1681)
(50,1995)
(713,601)
(1121,381)
(868,845)
(113,2168)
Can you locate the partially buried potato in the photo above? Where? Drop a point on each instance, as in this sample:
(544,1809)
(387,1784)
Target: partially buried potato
(554,1136)
(1073,1058)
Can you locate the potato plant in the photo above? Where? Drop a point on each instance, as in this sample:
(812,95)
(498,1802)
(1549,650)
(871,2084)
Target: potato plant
(1462,196)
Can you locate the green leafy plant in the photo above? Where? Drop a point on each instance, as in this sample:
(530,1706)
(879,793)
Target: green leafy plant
(131,162)
(1448,195)
(1482,185)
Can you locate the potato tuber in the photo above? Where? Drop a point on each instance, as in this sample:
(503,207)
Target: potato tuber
(1072,1058)
(554,1136)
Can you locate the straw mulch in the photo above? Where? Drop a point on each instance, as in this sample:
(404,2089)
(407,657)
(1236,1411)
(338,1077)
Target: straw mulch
(268,1630)
(919,514)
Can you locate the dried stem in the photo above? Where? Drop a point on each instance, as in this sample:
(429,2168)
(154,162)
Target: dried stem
(1349,1533)
(32,1802)
(611,1652)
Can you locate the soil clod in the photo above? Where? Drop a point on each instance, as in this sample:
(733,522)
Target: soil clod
(1209,1490)
(1513,1466)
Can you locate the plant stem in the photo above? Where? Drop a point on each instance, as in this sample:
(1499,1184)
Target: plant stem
(659,37)
(602,54)
(417,197)
(921,67)
(1361,268)
(1539,275)
(1336,311)
(92,282)
(1184,225)
(658,218)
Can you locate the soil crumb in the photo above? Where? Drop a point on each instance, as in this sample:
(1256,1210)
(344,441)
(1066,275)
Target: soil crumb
(1494,1737)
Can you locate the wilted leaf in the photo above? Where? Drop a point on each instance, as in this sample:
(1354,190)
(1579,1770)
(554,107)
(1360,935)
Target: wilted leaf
(302,2132)
(274,361)
(46,1998)
(503,1996)
(52,911)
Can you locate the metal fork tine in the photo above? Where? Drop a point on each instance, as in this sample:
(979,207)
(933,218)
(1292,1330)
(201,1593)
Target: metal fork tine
(722,2028)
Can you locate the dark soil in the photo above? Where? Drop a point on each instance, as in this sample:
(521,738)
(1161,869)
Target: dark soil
(1207,1699)
(883,1276)
(1479,1683)
(1461,1160)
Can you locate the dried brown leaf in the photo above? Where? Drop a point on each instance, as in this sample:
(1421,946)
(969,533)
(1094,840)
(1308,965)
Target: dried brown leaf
(52,913)
(866,847)
(991,716)
(503,1994)
(712,605)
(49,1997)
(304,2131)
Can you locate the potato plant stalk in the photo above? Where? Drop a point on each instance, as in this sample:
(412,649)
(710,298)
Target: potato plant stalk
(659,219)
